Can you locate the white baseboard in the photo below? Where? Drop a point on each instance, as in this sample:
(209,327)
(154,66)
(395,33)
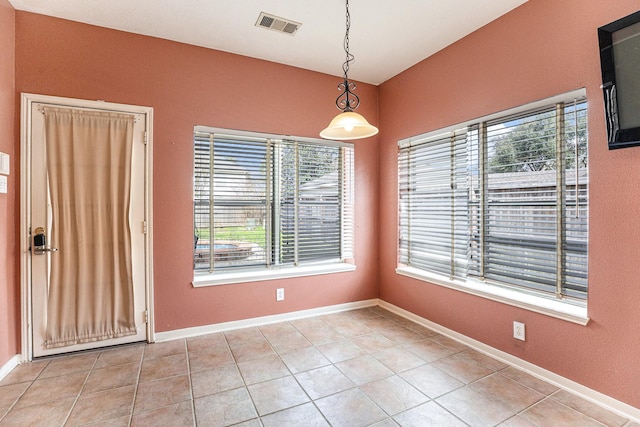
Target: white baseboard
(586,393)
(260,321)
(8,367)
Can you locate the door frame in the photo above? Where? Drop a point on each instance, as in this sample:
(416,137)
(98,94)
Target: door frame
(27,100)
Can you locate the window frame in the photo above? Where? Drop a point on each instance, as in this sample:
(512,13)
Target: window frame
(269,271)
(568,309)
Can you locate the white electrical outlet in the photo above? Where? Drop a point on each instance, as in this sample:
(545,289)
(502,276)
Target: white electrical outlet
(280,294)
(518,331)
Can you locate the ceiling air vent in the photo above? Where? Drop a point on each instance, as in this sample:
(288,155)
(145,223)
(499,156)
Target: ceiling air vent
(275,23)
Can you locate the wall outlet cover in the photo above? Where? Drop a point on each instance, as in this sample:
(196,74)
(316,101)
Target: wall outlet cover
(518,331)
(4,164)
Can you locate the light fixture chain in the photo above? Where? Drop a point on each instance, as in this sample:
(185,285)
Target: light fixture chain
(348,124)
(350,57)
(347,100)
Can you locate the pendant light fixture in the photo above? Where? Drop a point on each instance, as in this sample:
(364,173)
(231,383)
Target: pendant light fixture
(348,124)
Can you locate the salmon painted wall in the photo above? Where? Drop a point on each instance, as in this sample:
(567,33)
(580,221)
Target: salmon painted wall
(9,304)
(540,49)
(189,86)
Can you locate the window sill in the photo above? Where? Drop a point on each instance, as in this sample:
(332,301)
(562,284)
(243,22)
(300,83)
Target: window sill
(212,279)
(553,308)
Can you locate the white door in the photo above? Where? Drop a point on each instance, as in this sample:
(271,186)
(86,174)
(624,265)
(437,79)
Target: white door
(39,218)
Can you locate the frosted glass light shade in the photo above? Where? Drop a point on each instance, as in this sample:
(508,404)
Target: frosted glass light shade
(348,125)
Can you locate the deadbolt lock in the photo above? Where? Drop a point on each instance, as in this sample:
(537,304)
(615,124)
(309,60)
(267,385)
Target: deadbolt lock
(39,244)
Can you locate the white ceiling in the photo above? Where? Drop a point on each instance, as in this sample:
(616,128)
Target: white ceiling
(386,36)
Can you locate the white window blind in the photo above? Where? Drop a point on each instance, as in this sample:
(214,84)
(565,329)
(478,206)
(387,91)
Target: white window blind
(434,228)
(262,201)
(502,201)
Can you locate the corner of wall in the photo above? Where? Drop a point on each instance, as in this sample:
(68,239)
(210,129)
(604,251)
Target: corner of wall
(9,295)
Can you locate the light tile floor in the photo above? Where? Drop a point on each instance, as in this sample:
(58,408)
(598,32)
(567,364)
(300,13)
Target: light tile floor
(357,368)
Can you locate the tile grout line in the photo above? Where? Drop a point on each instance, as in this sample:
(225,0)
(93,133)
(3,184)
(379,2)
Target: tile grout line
(313,402)
(332,364)
(372,354)
(430,363)
(244,382)
(190,373)
(397,374)
(84,384)
(10,408)
(452,414)
(550,396)
(193,397)
(292,375)
(135,393)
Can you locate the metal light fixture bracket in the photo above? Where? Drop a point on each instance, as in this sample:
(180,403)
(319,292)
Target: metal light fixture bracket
(347,100)
(348,124)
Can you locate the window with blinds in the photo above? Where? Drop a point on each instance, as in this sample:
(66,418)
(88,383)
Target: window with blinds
(265,201)
(503,201)
(434,226)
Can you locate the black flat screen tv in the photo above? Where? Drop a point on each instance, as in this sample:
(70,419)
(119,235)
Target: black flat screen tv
(620,63)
